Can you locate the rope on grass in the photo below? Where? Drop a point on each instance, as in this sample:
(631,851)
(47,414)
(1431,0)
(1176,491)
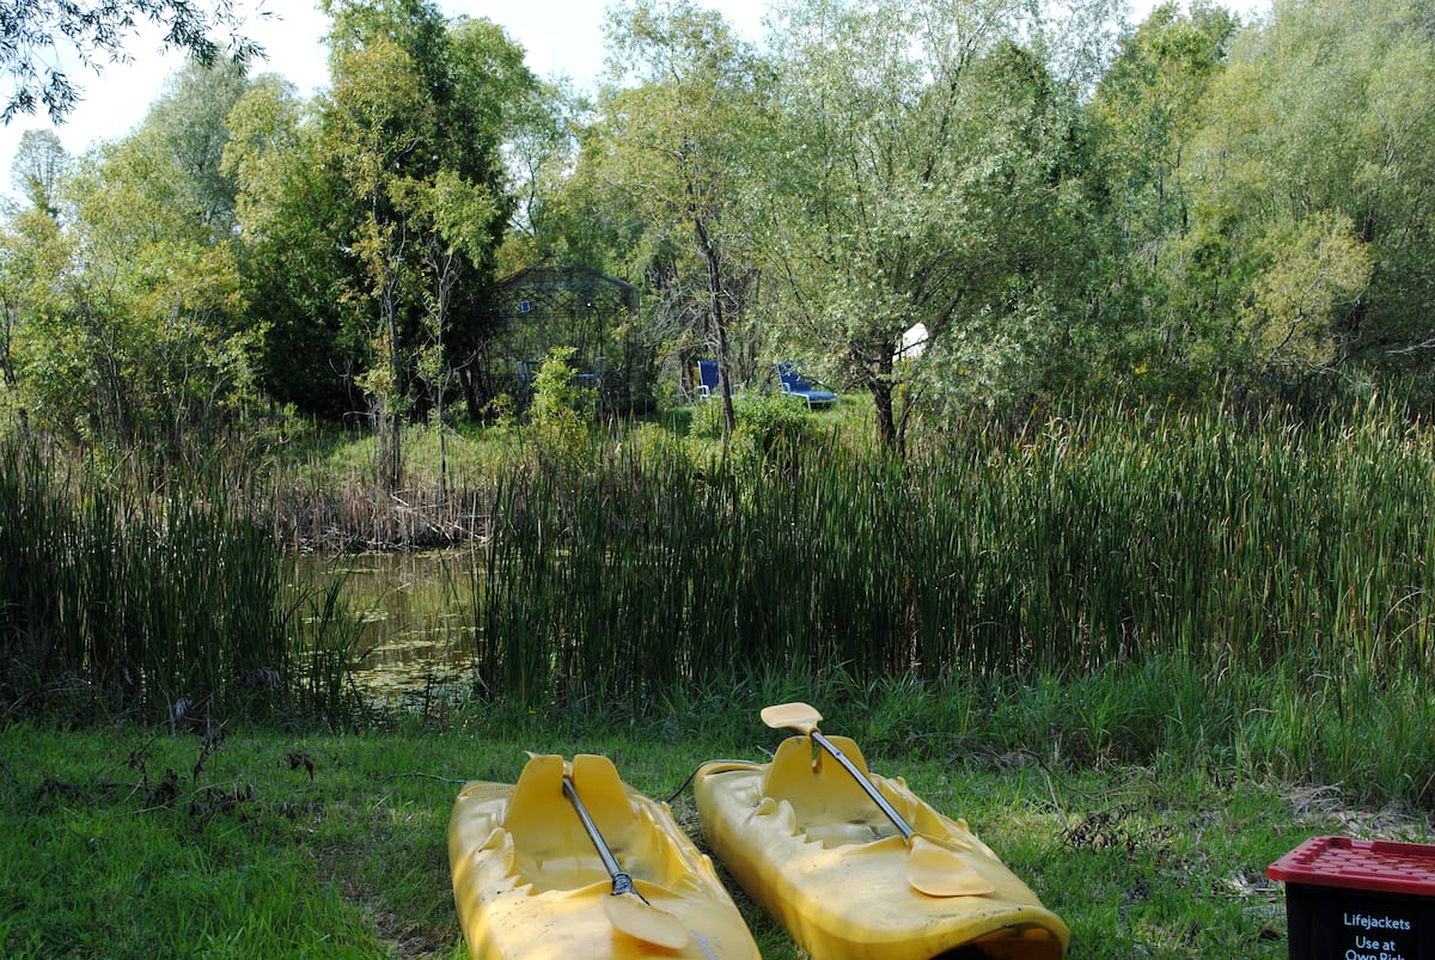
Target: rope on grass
(428,776)
(675,793)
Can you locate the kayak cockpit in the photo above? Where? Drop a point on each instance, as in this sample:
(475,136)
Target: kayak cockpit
(829,808)
(529,884)
(847,832)
(808,843)
(551,850)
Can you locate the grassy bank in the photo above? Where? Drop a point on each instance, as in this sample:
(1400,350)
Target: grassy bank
(321,491)
(1125,586)
(321,846)
(1372,739)
(1141,583)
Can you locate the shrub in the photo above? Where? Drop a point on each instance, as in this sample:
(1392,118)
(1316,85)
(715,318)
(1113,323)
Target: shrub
(773,419)
(561,408)
(769,420)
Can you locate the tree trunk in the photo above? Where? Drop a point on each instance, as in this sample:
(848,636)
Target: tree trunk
(393,455)
(468,377)
(440,390)
(446,266)
(881,386)
(882,401)
(12,381)
(442,458)
(113,390)
(714,264)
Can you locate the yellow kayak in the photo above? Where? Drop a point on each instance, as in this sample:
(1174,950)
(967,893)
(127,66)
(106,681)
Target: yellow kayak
(529,883)
(807,843)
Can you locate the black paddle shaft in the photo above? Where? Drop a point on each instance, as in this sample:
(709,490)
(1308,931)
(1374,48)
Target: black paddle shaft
(862,782)
(622,883)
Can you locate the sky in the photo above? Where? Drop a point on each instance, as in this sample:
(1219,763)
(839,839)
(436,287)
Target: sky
(560,37)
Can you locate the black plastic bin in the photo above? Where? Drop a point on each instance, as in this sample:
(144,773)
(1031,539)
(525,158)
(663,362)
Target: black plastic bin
(1359,900)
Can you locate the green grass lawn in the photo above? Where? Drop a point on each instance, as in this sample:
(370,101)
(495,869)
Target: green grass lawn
(330,455)
(106,852)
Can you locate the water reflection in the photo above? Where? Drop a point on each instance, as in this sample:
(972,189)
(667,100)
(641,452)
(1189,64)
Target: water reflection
(417,636)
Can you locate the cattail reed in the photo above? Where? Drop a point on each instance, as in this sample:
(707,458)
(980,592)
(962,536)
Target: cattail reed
(1083,544)
(167,604)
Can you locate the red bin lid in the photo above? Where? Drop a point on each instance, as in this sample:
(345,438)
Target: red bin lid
(1377,865)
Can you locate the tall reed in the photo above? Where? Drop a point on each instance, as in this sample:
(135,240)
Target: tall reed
(1096,541)
(156,603)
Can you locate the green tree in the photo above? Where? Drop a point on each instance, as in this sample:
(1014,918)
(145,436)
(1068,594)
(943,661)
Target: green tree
(1313,269)
(376,119)
(561,408)
(1310,173)
(190,121)
(125,324)
(1146,111)
(33,258)
(414,126)
(37,35)
(39,165)
(678,143)
(493,100)
(144,339)
(926,174)
(453,216)
(544,152)
(294,214)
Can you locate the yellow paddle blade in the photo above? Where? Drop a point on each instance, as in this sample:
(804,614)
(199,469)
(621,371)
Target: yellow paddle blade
(641,920)
(792,716)
(938,872)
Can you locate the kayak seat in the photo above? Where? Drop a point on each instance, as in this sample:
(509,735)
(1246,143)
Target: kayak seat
(552,851)
(828,805)
(603,793)
(550,848)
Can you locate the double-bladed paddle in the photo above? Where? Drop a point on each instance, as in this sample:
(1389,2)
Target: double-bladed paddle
(627,909)
(931,868)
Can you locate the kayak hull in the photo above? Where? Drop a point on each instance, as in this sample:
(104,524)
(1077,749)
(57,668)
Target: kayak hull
(806,843)
(529,885)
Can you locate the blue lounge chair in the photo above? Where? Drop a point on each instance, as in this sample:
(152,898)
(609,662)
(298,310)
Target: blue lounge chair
(789,374)
(709,384)
(708,381)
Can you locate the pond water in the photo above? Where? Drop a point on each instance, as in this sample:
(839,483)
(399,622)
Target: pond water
(417,638)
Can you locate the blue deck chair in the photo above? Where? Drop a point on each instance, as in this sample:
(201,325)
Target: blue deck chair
(789,374)
(708,382)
